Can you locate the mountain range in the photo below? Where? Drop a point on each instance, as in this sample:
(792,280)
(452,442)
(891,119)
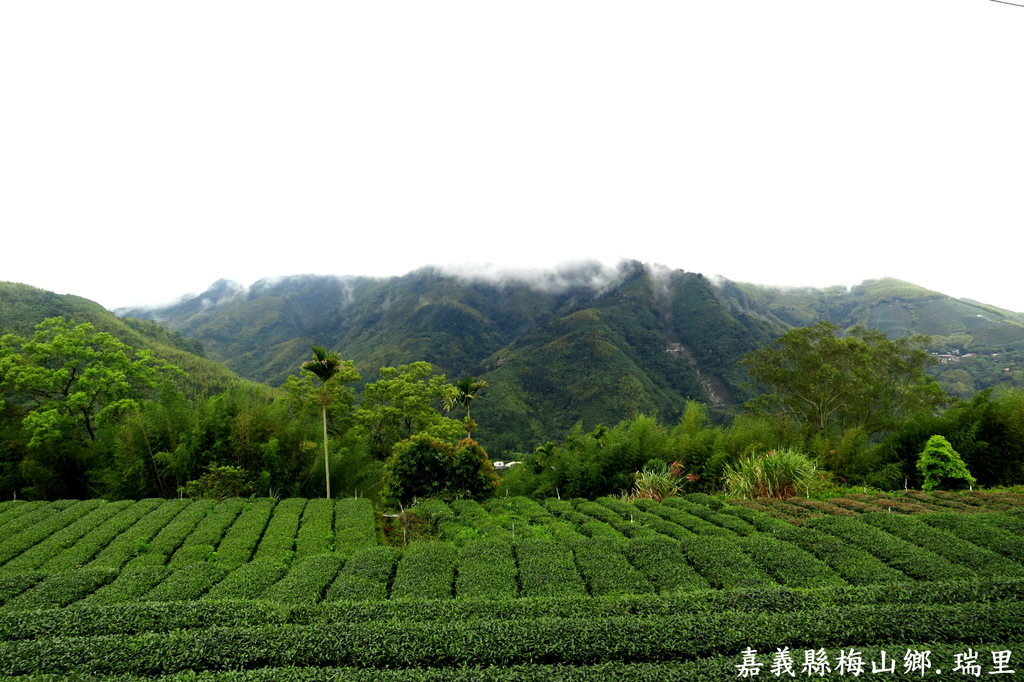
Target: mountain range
(581,344)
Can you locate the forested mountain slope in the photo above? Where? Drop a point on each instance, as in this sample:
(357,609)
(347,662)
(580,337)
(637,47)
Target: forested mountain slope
(576,346)
(645,342)
(22,307)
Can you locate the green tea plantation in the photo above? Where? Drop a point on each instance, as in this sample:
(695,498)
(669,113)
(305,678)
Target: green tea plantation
(891,587)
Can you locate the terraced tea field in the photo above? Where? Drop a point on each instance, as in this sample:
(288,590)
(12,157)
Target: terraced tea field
(513,589)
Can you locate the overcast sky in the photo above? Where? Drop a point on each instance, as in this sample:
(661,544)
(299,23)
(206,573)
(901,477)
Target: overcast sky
(148,149)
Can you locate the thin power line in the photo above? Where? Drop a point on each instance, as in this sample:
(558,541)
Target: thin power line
(1008,3)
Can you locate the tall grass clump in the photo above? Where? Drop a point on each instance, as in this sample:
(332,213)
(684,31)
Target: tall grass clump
(656,482)
(780,474)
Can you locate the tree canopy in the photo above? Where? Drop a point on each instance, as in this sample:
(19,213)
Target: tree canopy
(69,377)
(940,465)
(829,383)
(405,401)
(424,466)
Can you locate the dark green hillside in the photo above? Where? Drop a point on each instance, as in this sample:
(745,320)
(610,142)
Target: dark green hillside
(563,350)
(987,342)
(554,352)
(22,307)
(640,347)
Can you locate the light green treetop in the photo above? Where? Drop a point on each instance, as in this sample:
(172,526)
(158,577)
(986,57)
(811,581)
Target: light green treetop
(939,463)
(829,383)
(70,378)
(404,401)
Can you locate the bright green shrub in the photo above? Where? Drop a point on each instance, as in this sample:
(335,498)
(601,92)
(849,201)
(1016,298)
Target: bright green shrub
(61,589)
(187,583)
(599,529)
(366,575)
(426,571)
(278,542)
(788,564)
(563,531)
(136,539)
(606,571)
(240,540)
(95,540)
(957,550)
(624,510)
(708,501)
(529,509)
(156,551)
(723,563)
(13,584)
(129,585)
(189,554)
(442,519)
(208,532)
(759,520)
(487,569)
(12,509)
(660,560)
(915,562)
(855,564)
(30,536)
(727,521)
(316,530)
(682,517)
(558,507)
(469,644)
(940,465)
(52,545)
(355,525)
(663,526)
(597,511)
(26,514)
(468,510)
(307,580)
(547,569)
(979,530)
(87,619)
(348,587)
(250,581)
(636,530)
(84,619)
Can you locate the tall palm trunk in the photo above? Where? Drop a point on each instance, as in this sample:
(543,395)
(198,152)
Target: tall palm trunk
(327,464)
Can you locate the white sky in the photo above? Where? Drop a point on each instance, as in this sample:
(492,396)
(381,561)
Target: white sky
(148,149)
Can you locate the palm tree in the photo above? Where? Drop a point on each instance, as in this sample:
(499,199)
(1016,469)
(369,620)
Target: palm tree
(466,390)
(324,365)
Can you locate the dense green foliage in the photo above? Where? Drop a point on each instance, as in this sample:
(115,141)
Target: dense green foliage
(587,384)
(423,466)
(830,384)
(781,473)
(940,465)
(573,591)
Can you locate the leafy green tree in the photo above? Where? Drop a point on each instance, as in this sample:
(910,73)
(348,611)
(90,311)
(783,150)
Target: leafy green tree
(405,401)
(327,366)
(828,384)
(940,465)
(71,378)
(466,392)
(423,466)
(602,462)
(219,482)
